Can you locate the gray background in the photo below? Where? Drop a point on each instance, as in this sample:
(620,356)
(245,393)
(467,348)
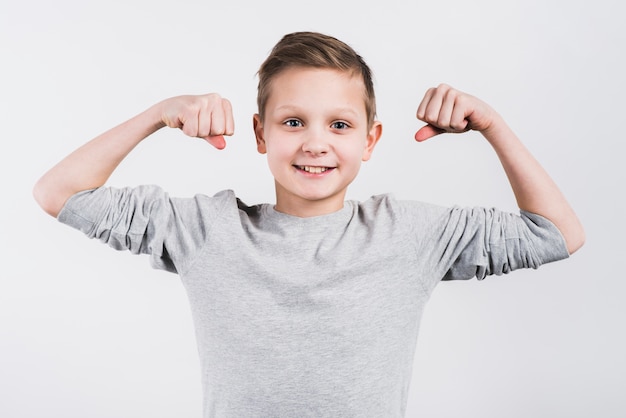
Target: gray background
(86,331)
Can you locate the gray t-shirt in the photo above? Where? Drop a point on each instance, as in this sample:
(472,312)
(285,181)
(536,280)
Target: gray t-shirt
(318,316)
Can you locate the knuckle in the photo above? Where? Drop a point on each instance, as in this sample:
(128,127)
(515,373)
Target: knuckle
(451,94)
(217,129)
(188,131)
(442,123)
(210,100)
(457,126)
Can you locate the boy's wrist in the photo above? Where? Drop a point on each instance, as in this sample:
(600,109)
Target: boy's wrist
(155,114)
(498,131)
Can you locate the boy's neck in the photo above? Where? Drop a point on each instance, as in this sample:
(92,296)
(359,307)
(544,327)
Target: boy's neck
(303,208)
(307,211)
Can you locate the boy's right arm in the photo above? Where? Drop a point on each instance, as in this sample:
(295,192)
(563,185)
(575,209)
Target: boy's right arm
(207,116)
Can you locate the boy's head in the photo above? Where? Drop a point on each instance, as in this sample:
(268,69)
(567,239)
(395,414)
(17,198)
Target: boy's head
(314,50)
(315,122)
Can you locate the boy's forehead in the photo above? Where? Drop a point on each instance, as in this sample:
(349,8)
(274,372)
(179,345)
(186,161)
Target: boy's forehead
(319,75)
(301,87)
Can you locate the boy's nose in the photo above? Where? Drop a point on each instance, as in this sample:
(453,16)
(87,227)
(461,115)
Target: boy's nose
(315,144)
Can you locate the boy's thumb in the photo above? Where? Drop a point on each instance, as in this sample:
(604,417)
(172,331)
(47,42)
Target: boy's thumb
(217,141)
(427,132)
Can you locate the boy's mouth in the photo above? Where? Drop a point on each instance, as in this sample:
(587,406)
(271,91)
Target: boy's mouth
(313,169)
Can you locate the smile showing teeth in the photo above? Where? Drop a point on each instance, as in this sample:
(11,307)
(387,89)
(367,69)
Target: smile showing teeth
(312,169)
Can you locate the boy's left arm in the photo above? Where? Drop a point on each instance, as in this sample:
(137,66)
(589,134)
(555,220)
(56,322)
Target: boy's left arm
(448,110)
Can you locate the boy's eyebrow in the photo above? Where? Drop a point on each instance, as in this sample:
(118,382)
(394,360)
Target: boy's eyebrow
(295,108)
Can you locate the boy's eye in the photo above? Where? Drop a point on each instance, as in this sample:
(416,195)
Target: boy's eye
(339,125)
(293,123)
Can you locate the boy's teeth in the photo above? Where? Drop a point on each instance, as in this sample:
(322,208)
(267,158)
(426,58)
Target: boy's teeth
(313,170)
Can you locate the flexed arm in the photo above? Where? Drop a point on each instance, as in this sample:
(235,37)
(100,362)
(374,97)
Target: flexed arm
(208,116)
(445,109)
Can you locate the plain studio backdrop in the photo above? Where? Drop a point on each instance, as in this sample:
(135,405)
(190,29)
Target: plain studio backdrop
(86,331)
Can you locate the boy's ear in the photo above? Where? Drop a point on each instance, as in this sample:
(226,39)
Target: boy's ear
(258,133)
(373,136)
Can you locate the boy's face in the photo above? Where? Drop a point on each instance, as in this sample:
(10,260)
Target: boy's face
(315,134)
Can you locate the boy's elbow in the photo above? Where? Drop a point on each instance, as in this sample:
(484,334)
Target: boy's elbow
(46,199)
(575,240)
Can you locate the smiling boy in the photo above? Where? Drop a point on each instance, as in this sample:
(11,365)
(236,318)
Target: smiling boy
(315,132)
(311,306)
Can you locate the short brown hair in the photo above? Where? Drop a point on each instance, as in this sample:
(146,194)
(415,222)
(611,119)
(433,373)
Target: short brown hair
(311,49)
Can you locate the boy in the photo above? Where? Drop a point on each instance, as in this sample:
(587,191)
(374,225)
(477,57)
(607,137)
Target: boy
(311,306)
